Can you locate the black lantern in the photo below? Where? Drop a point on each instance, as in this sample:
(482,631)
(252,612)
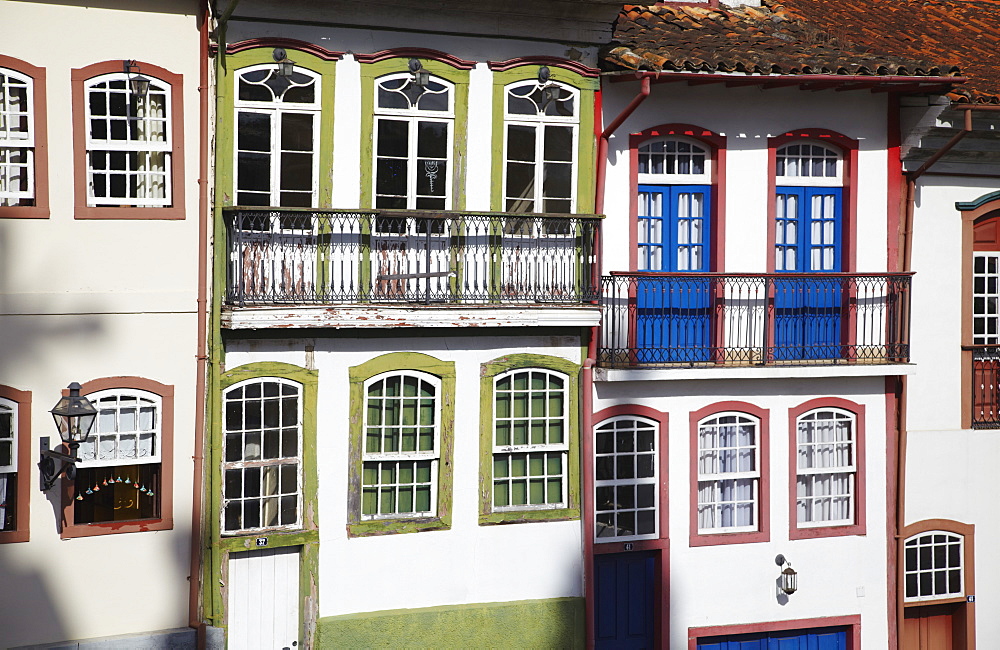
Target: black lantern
(420,76)
(74,416)
(138,84)
(285,65)
(788,579)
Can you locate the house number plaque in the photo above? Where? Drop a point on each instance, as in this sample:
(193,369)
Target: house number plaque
(261,541)
(628,546)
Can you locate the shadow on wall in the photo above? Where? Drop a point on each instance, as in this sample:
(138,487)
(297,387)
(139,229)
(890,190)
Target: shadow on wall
(25,597)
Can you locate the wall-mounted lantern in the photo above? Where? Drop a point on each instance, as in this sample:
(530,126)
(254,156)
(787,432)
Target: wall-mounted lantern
(788,579)
(285,65)
(138,84)
(74,416)
(420,76)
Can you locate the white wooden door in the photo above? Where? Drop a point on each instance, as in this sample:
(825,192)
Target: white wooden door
(264,599)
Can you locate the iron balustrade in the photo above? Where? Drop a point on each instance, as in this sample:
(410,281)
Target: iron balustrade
(295,256)
(985,386)
(746,319)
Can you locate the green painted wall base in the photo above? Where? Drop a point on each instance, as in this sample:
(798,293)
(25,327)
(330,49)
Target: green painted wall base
(555,623)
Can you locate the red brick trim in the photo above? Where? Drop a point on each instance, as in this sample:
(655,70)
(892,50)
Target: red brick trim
(551,61)
(859,525)
(853,623)
(762,534)
(165,522)
(286,43)
(416,53)
(21,532)
(41,208)
(175,210)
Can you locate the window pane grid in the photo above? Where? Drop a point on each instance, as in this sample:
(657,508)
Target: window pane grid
(626,472)
(825,486)
(262,455)
(728,473)
(126,432)
(17,134)
(672,157)
(933,566)
(986,299)
(807,161)
(8,465)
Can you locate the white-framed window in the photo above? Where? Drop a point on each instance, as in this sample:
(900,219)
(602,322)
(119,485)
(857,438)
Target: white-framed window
(119,473)
(128,143)
(809,163)
(728,473)
(17,139)
(541,131)
(413,139)
(674,160)
(277,137)
(530,440)
(626,467)
(8,464)
(986,298)
(262,455)
(826,474)
(933,566)
(808,208)
(402,445)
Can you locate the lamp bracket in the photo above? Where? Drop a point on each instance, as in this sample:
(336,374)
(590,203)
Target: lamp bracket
(47,474)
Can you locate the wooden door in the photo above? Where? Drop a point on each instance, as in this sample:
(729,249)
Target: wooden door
(264,599)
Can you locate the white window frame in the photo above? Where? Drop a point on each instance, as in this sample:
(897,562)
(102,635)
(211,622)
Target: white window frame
(433,456)
(528,449)
(986,303)
(633,424)
(915,542)
(90,451)
(538,122)
(111,145)
(9,472)
(808,180)
(810,474)
(275,109)
(244,464)
(413,116)
(717,478)
(11,140)
(650,178)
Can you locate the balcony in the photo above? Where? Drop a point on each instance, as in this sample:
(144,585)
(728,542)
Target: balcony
(676,320)
(985,386)
(410,260)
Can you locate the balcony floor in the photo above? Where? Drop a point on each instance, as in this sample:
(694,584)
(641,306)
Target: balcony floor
(754,372)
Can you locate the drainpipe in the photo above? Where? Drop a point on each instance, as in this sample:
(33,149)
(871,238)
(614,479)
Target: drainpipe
(198,488)
(602,143)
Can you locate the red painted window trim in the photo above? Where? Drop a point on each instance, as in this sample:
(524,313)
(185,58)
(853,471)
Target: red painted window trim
(41,208)
(853,623)
(287,44)
(717,147)
(849,150)
(21,531)
(81,210)
(763,532)
(859,525)
(415,53)
(165,522)
(551,61)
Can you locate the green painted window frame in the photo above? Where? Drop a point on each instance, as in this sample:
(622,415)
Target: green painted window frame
(309,381)
(228,69)
(488,373)
(359,376)
(586,153)
(459,78)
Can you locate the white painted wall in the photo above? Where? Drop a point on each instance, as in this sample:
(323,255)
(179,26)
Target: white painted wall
(81,300)
(468,563)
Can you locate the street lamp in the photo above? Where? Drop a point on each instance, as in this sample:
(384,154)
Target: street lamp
(138,84)
(788,579)
(74,416)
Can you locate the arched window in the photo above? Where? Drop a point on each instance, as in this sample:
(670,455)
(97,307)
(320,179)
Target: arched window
(826,453)
(728,473)
(626,468)
(934,566)
(413,141)
(809,208)
(17,139)
(399,476)
(262,455)
(541,124)
(277,136)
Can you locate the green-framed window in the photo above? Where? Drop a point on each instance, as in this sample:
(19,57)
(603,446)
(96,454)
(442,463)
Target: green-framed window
(402,443)
(529,439)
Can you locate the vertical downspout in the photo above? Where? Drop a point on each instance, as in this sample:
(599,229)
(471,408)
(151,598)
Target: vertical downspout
(198,488)
(587,381)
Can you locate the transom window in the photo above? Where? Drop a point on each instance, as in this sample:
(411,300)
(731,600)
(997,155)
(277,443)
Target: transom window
(530,445)
(805,160)
(827,468)
(541,124)
(119,472)
(262,455)
(128,143)
(402,446)
(673,160)
(17,139)
(933,566)
(728,473)
(277,137)
(8,465)
(413,143)
(626,473)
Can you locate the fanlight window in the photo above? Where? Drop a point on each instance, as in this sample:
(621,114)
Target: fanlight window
(807,161)
(933,567)
(400,92)
(264,84)
(673,157)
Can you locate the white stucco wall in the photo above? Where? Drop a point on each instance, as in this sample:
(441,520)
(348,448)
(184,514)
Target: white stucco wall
(81,300)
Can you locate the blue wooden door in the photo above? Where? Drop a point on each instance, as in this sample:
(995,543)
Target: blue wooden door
(626,593)
(808,310)
(674,314)
(816,639)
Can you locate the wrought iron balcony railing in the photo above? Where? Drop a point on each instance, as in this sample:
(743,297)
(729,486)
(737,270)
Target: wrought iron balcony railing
(985,386)
(709,319)
(288,256)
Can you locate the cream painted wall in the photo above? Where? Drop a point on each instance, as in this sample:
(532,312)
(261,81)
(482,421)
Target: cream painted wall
(81,300)
(456,566)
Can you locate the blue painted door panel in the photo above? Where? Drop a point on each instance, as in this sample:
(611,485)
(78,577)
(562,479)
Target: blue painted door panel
(626,589)
(817,639)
